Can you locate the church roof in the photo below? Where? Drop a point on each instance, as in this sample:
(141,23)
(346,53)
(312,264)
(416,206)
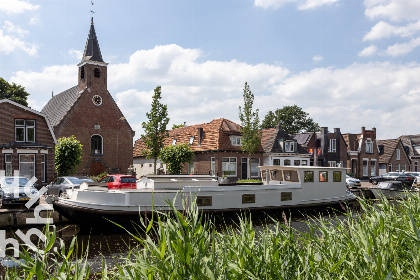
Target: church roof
(58,106)
(92,51)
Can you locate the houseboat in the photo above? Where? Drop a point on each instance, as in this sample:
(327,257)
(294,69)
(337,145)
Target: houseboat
(93,204)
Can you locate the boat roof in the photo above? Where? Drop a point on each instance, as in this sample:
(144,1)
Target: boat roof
(300,167)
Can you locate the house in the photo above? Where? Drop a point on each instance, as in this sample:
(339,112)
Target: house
(89,112)
(326,148)
(27,143)
(217,149)
(363,153)
(393,156)
(282,149)
(412,146)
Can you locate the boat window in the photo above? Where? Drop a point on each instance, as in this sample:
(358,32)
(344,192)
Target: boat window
(276,175)
(286,196)
(248,198)
(337,176)
(296,162)
(264,175)
(204,201)
(286,162)
(323,176)
(276,161)
(290,175)
(309,176)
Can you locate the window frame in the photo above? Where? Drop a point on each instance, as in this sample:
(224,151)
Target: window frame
(398,154)
(28,163)
(334,176)
(43,168)
(8,164)
(305,180)
(230,162)
(369,146)
(319,176)
(25,127)
(236,140)
(101,151)
(289,146)
(213,166)
(332,147)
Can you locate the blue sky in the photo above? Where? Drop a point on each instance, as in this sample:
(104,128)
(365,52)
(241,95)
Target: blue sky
(348,63)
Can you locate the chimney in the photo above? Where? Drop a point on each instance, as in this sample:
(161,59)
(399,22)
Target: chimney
(324,144)
(363,130)
(200,133)
(337,133)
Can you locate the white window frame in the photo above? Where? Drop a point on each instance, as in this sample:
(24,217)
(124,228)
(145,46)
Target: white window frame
(25,127)
(22,163)
(403,167)
(373,168)
(332,148)
(257,174)
(365,168)
(236,140)
(212,166)
(398,154)
(397,168)
(232,164)
(304,162)
(276,160)
(332,164)
(43,167)
(369,146)
(289,146)
(8,164)
(390,167)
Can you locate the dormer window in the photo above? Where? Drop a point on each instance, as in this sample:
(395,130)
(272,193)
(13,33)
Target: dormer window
(191,140)
(97,73)
(289,146)
(174,142)
(236,141)
(82,72)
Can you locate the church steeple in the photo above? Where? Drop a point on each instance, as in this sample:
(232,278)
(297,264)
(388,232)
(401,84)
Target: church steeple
(92,51)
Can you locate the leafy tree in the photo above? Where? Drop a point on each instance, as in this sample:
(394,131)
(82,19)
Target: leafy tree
(292,120)
(175,126)
(251,132)
(68,154)
(155,129)
(13,92)
(174,156)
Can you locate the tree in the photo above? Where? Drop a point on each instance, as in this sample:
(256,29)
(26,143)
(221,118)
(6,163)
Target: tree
(174,156)
(251,132)
(292,120)
(155,129)
(175,126)
(68,154)
(13,92)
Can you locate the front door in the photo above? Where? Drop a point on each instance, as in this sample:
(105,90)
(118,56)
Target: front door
(96,168)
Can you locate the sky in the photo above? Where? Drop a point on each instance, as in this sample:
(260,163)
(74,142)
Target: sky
(348,63)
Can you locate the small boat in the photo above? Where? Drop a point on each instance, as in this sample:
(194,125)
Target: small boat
(94,205)
(393,190)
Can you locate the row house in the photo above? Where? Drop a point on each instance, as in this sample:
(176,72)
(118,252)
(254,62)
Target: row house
(363,153)
(27,143)
(282,149)
(412,148)
(325,148)
(393,156)
(217,149)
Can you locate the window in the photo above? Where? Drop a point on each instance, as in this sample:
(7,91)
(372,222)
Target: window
(373,168)
(191,168)
(236,141)
(304,162)
(276,175)
(416,166)
(403,167)
(43,167)
(191,140)
(289,146)
(296,162)
(390,168)
(332,148)
(8,164)
(96,144)
(287,162)
(24,130)
(290,175)
(97,73)
(337,176)
(308,176)
(398,154)
(174,142)
(248,198)
(369,146)
(229,166)
(27,165)
(276,161)
(323,176)
(82,72)
(255,162)
(212,166)
(365,168)
(204,200)
(331,164)
(397,168)
(284,196)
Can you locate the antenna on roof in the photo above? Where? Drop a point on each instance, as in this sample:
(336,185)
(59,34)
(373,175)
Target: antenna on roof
(52,93)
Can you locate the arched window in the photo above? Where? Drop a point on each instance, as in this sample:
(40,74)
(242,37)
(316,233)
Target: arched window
(97,73)
(82,72)
(96,144)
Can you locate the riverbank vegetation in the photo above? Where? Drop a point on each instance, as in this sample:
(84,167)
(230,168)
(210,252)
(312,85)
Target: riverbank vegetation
(381,241)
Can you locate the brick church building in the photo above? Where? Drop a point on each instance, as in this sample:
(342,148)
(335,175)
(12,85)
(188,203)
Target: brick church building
(89,112)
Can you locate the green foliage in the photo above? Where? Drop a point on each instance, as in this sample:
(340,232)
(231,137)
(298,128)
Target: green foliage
(68,154)
(248,181)
(13,92)
(175,126)
(99,177)
(174,156)
(155,129)
(292,120)
(250,122)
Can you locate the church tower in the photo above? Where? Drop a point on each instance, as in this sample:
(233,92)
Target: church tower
(92,68)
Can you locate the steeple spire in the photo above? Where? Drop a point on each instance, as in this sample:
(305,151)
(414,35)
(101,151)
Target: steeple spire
(92,51)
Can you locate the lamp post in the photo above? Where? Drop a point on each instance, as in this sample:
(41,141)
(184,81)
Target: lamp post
(118,154)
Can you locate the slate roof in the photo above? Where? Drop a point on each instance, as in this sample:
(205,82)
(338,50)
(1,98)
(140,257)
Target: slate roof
(271,145)
(58,106)
(216,137)
(409,141)
(303,138)
(92,50)
(387,148)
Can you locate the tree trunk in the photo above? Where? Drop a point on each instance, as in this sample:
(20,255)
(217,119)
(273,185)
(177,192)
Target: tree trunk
(249,167)
(154,166)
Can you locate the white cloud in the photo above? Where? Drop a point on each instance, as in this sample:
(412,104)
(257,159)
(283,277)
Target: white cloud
(318,58)
(77,54)
(312,4)
(385,30)
(34,21)
(11,28)
(403,48)
(275,4)
(16,6)
(9,44)
(302,4)
(368,51)
(395,10)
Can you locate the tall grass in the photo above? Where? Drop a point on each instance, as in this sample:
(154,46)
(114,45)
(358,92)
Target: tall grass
(381,241)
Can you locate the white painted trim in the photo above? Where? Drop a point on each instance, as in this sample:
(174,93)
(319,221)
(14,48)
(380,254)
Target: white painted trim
(8,151)
(92,63)
(44,151)
(374,159)
(22,151)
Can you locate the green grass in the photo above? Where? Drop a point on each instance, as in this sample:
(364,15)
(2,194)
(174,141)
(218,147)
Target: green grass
(382,241)
(248,181)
